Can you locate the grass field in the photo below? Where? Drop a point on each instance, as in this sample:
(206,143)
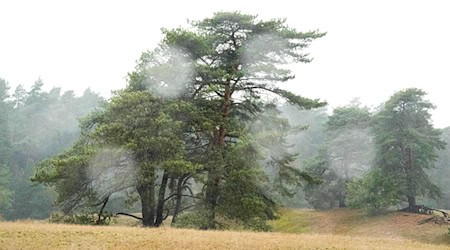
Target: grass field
(304,230)
(395,225)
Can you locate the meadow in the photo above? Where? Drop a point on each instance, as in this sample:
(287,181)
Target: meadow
(296,229)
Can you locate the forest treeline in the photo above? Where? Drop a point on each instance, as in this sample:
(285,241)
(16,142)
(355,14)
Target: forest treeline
(35,124)
(203,132)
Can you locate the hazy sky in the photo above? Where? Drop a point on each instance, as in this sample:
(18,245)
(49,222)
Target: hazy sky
(372,49)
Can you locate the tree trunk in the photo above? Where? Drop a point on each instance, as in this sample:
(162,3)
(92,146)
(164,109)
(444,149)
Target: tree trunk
(161,195)
(147,194)
(212,197)
(411,202)
(99,219)
(342,202)
(178,199)
(214,175)
(343,196)
(331,203)
(409,183)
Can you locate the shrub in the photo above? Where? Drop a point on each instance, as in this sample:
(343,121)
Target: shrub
(194,220)
(82,219)
(373,193)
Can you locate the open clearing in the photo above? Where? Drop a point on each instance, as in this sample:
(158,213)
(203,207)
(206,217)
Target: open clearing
(297,229)
(346,222)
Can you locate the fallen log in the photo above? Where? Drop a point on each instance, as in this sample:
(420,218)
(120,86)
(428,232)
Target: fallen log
(421,209)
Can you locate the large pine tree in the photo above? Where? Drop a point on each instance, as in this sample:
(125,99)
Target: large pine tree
(407,143)
(237,62)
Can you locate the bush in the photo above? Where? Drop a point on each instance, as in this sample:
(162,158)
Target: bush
(198,220)
(373,193)
(194,220)
(82,219)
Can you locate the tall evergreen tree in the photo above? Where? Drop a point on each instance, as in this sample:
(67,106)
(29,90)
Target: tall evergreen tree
(223,69)
(236,59)
(407,143)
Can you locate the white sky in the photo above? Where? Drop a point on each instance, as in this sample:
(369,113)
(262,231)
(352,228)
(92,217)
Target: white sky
(372,49)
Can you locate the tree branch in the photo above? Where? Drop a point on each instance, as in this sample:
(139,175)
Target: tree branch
(183,195)
(101,210)
(130,215)
(187,208)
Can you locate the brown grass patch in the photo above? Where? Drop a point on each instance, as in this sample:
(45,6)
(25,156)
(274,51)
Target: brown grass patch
(394,225)
(38,235)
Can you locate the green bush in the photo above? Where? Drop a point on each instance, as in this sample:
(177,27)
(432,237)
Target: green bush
(194,220)
(198,220)
(373,193)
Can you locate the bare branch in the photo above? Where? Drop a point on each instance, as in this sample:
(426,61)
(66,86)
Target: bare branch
(187,208)
(130,215)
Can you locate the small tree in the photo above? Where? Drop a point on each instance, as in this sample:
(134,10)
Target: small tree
(441,174)
(374,193)
(327,193)
(346,154)
(136,141)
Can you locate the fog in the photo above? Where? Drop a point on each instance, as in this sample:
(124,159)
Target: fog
(112,170)
(168,72)
(322,154)
(371,49)
(43,124)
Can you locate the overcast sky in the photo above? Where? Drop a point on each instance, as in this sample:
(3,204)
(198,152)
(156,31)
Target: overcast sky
(371,50)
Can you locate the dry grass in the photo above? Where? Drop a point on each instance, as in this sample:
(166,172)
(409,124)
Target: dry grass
(41,235)
(345,222)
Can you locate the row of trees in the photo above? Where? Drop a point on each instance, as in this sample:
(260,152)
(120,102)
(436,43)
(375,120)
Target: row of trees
(376,160)
(34,124)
